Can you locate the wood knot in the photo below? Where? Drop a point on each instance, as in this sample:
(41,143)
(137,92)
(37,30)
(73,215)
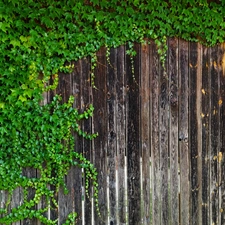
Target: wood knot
(173,102)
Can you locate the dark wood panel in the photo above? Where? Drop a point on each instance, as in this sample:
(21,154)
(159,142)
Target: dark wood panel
(155,156)
(100,126)
(164,140)
(173,128)
(133,153)
(222,132)
(220,146)
(80,90)
(214,116)
(206,89)
(65,201)
(85,145)
(193,130)
(30,173)
(112,133)
(145,132)
(183,133)
(121,90)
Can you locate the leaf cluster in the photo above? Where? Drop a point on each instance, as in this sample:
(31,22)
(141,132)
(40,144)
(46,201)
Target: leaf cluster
(48,33)
(39,137)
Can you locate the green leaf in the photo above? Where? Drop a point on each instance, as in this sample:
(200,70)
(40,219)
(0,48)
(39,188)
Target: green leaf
(22,98)
(23,39)
(4,26)
(15,42)
(2,105)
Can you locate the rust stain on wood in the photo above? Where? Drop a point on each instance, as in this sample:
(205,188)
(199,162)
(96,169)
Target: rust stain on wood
(223,64)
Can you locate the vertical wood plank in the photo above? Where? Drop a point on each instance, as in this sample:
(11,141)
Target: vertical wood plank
(145,131)
(30,173)
(193,131)
(121,134)
(66,202)
(85,146)
(164,140)
(183,133)
(205,136)
(222,135)
(77,86)
(220,146)
(54,212)
(173,128)
(214,190)
(133,156)
(112,133)
(151,66)
(61,212)
(100,126)
(156,173)
(3,200)
(47,97)
(16,201)
(199,129)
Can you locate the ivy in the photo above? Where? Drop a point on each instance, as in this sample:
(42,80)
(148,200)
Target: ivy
(39,137)
(39,38)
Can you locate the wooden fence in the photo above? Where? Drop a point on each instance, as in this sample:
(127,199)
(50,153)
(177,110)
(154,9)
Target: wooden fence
(160,150)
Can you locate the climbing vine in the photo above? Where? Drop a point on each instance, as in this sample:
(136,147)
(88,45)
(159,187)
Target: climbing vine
(38,39)
(39,137)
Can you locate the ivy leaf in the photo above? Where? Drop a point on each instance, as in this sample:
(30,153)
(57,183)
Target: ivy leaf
(23,39)
(47,21)
(28,93)
(2,105)
(136,2)
(129,10)
(15,43)
(4,26)
(22,98)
